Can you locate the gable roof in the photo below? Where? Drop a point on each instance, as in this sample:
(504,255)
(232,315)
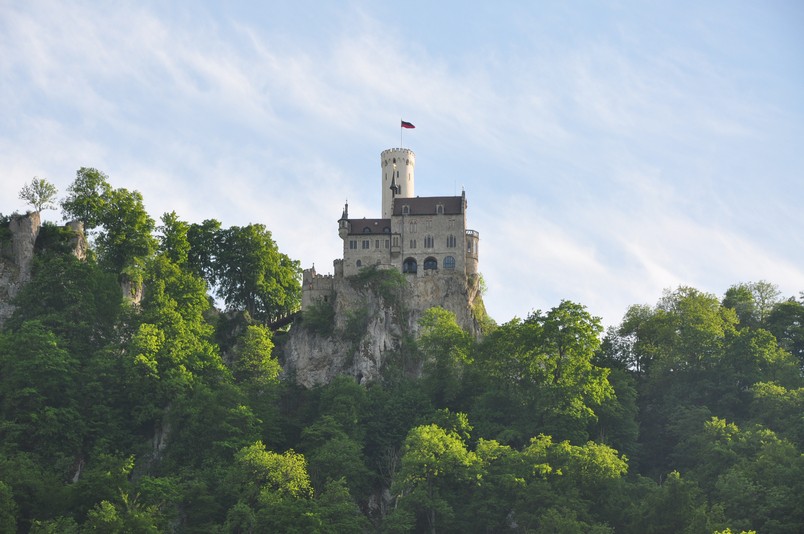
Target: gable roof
(374,226)
(428,205)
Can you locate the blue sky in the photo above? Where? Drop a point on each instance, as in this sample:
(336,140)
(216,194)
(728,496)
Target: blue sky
(609,150)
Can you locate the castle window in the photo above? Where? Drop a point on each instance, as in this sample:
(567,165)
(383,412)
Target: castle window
(376,243)
(359,263)
(386,230)
(440,209)
(449,263)
(428,242)
(353,244)
(387,243)
(469,246)
(409,266)
(412,227)
(366,243)
(405,210)
(451,241)
(430,264)
(412,243)
(396,240)
(366,230)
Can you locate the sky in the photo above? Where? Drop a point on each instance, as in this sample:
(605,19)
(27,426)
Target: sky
(609,150)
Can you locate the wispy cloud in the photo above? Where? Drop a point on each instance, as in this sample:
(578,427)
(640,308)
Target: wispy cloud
(603,160)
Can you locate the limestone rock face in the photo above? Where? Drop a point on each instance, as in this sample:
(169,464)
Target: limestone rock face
(368,329)
(79,242)
(16,259)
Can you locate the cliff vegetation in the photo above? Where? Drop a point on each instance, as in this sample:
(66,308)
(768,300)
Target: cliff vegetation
(149,410)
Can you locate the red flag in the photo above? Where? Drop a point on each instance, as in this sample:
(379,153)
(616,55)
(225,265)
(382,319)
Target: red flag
(406,124)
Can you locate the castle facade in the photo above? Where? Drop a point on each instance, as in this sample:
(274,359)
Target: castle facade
(419,236)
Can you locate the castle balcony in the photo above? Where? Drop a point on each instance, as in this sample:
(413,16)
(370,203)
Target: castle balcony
(396,245)
(473,233)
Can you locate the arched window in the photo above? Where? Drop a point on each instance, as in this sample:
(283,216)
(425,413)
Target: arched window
(449,263)
(366,230)
(428,241)
(386,230)
(409,266)
(430,264)
(405,209)
(451,241)
(359,263)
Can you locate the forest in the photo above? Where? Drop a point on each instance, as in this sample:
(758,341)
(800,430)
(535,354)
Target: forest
(164,413)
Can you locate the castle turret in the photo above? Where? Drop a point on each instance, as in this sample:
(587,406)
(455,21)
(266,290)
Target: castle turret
(343,222)
(397,177)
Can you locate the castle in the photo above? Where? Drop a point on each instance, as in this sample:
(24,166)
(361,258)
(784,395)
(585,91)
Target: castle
(419,236)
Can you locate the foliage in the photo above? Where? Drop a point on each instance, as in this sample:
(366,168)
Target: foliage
(388,283)
(167,416)
(124,238)
(319,318)
(40,194)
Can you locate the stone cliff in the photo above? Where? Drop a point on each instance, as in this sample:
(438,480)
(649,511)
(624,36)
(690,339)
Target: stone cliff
(368,322)
(18,245)
(16,258)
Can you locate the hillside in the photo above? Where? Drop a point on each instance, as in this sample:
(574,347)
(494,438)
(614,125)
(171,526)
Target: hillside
(129,403)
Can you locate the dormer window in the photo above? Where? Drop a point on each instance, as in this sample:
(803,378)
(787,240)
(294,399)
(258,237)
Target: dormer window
(405,210)
(439,209)
(366,230)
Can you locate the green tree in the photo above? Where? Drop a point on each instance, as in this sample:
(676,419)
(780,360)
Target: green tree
(38,396)
(786,322)
(125,237)
(752,302)
(40,194)
(252,275)
(173,240)
(8,510)
(435,464)
(252,359)
(538,376)
(204,245)
(446,352)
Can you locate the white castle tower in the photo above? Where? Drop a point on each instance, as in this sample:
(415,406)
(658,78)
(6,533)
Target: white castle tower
(397,177)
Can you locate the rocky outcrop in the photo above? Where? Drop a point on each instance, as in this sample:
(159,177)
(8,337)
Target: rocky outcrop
(18,245)
(369,328)
(16,259)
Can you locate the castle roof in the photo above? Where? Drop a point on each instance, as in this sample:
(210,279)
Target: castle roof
(369,226)
(428,205)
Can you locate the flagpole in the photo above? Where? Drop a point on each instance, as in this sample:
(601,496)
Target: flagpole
(400,133)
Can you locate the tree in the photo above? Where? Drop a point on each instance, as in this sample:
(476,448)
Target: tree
(40,194)
(174,241)
(252,275)
(446,352)
(125,237)
(435,465)
(753,301)
(537,376)
(786,322)
(252,359)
